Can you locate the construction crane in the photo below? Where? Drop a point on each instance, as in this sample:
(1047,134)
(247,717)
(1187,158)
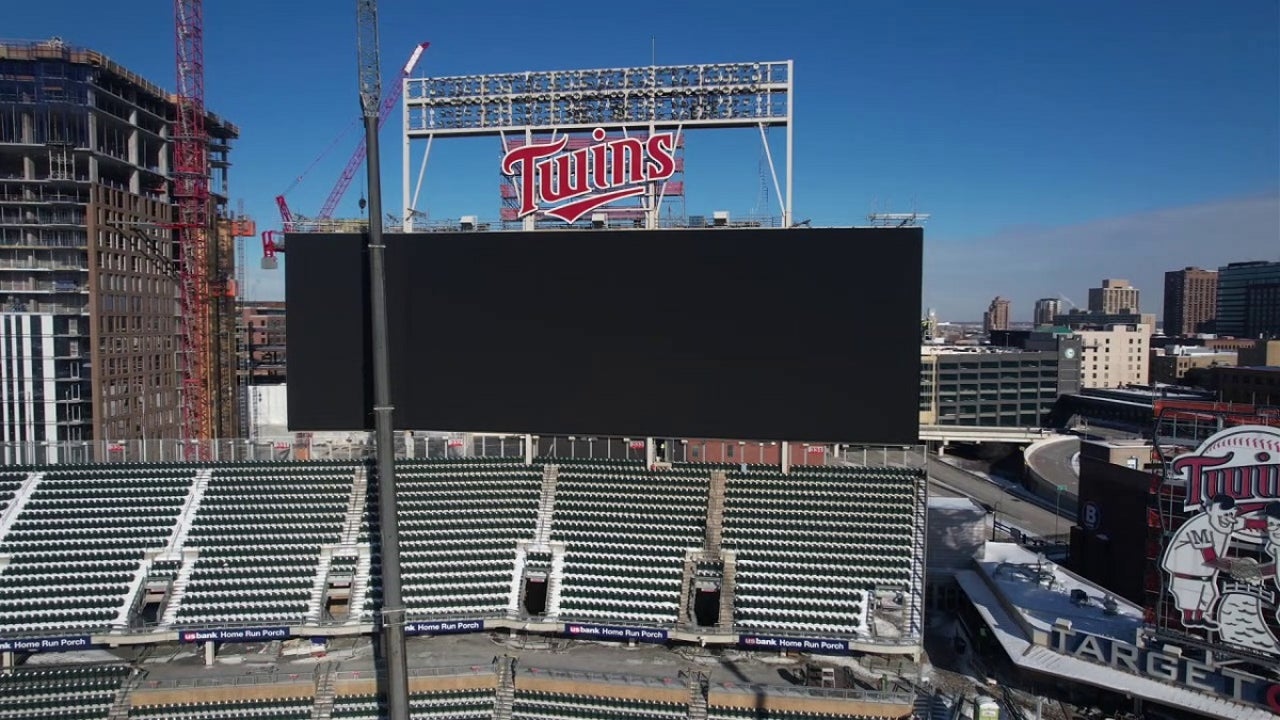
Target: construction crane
(191,192)
(291,223)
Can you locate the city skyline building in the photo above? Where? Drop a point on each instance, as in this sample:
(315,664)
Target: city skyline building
(1190,301)
(997,315)
(1249,299)
(1114,297)
(1046,310)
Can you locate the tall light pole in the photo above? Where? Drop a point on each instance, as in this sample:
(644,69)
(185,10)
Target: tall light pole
(394,653)
(1057,512)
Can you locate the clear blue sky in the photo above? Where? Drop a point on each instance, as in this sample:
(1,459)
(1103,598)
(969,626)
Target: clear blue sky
(1017,125)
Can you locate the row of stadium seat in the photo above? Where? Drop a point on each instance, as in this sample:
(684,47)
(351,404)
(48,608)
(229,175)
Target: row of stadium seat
(247,542)
(274,709)
(84,692)
(442,705)
(535,705)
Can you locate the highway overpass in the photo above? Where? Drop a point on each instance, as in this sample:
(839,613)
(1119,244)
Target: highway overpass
(947,434)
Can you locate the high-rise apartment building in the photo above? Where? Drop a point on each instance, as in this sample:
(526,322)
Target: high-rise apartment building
(89,317)
(1113,298)
(1190,301)
(1046,310)
(997,315)
(1249,299)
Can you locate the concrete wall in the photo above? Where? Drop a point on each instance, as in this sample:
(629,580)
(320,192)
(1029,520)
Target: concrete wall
(1044,487)
(143,697)
(839,707)
(570,686)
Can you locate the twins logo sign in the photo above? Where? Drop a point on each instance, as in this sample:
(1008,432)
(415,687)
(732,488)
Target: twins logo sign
(1233,490)
(568,185)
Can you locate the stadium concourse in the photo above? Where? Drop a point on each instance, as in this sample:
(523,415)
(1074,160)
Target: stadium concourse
(661,591)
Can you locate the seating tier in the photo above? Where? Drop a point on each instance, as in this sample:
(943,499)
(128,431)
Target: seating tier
(79,542)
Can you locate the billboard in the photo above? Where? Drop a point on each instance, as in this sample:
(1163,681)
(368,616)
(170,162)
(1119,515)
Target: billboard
(1222,563)
(788,334)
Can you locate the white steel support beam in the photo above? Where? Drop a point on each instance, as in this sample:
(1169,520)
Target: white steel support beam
(788,210)
(406,159)
(773,170)
(412,211)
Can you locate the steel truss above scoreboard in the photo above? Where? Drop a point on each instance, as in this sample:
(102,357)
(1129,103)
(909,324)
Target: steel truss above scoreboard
(521,105)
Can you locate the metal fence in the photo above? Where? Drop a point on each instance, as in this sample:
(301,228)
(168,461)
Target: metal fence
(359,446)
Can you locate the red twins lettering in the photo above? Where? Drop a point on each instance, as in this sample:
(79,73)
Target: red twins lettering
(568,185)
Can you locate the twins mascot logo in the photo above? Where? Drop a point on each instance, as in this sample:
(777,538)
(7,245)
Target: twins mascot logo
(1233,491)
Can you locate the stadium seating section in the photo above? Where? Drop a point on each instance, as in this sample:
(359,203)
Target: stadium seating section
(441,705)
(459,525)
(68,693)
(534,705)
(259,531)
(625,531)
(809,541)
(256,543)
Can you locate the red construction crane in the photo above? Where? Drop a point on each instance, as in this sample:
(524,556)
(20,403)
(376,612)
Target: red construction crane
(191,191)
(357,158)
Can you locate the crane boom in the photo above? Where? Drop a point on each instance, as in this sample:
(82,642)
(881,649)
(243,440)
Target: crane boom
(357,159)
(191,193)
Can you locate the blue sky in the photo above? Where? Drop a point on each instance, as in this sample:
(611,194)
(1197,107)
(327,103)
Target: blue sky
(1030,131)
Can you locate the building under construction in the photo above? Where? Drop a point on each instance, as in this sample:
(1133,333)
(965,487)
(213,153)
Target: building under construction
(90,262)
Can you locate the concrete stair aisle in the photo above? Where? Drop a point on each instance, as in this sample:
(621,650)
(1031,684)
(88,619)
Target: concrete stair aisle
(546,505)
(517,580)
(315,605)
(728,583)
(355,508)
(179,587)
(131,595)
(19,501)
(360,585)
(714,537)
(555,581)
(123,702)
(684,614)
(187,516)
(505,694)
(698,686)
(322,709)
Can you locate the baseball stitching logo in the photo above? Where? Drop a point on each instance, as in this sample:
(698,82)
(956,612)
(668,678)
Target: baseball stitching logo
(1242,463)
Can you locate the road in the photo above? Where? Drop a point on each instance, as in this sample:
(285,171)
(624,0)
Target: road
(1053,462)
(947,481)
